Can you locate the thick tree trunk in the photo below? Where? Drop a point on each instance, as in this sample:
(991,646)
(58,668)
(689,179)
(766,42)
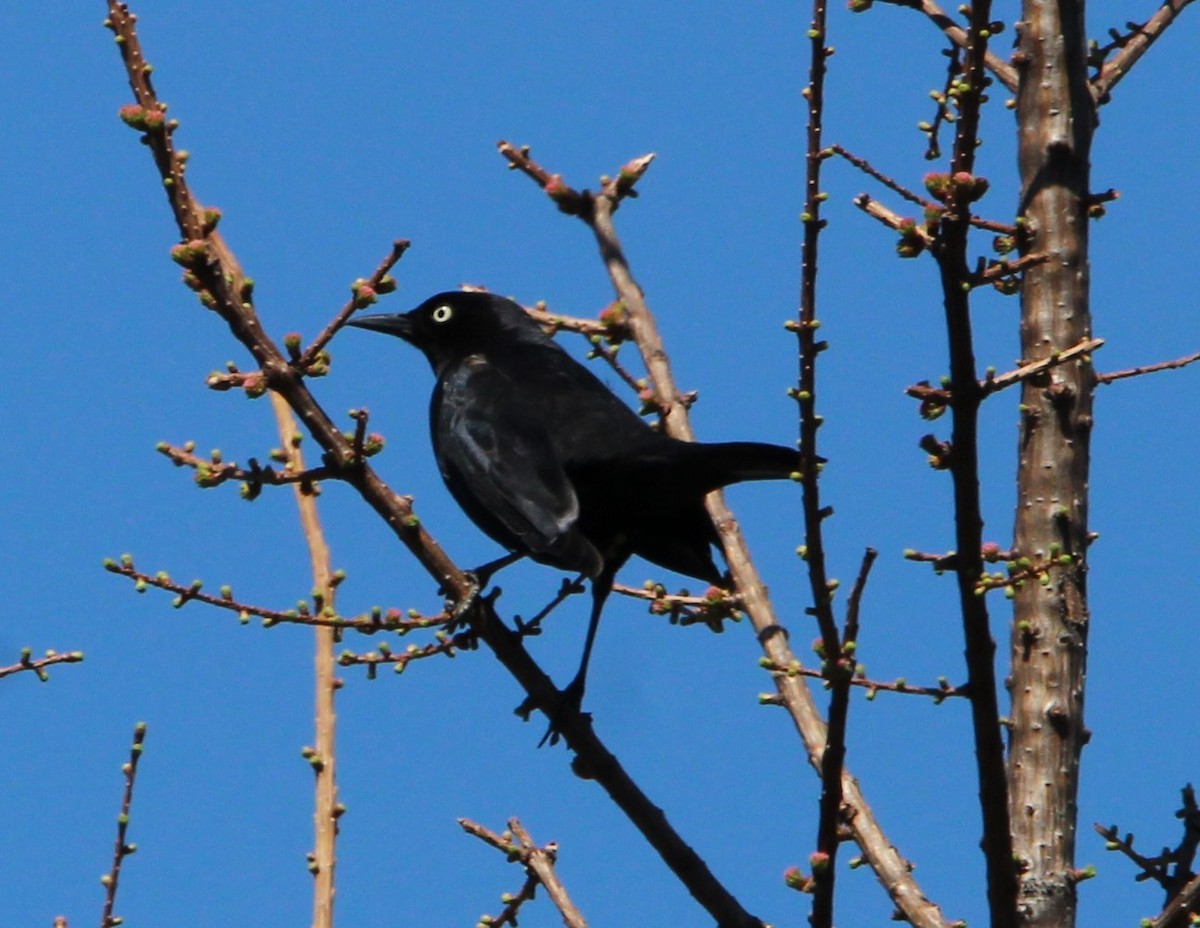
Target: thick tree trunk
(1056,116)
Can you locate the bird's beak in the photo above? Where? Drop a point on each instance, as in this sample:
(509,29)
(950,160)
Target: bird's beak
(398,324)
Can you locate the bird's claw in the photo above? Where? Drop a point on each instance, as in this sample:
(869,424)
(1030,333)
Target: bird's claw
(461,609)
(566,707)
(460,612)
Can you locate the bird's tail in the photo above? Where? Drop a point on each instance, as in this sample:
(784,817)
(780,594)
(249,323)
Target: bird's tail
(735,461)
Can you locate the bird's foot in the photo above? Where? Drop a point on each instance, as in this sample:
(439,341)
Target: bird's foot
(460,624)
(461,610)
(565,710)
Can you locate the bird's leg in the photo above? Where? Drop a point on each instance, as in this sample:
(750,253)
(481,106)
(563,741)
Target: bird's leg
(571,698)
(568,588)
(483,573)
(601,587)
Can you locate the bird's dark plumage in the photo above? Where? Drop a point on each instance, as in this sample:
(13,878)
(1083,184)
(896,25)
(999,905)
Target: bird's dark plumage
(550,463)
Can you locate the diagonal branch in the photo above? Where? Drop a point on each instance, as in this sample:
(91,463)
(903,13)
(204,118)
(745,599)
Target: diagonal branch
(1115,69)
(1180,911)
(1005,73)
(1082,350)
(539,865)
(893,870)
(222,286)
(1148,369)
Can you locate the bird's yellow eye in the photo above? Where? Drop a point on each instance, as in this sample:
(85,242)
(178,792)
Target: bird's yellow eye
(442,314)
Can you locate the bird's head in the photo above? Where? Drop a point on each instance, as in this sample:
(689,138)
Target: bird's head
(452,325)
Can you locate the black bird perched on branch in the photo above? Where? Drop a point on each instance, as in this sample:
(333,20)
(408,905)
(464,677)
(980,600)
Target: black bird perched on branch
(553,466)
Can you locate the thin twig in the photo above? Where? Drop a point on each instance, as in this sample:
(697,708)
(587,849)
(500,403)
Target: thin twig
(840,670)
(122,848)
(1026,371)
(608,354)
(1170,868)
(38,665)
(1005,73)
(384,655)
(326,809)
(838,666)
(1148,369)
(377,282)
(711,609)
(900,686)
(893,220)
(1001,268)
(212,471)
(937,398)
(605,327)
(370,623)
(871,171)
(853,604)
(538,863)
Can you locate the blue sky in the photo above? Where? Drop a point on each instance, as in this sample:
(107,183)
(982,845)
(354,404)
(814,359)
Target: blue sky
(324,133)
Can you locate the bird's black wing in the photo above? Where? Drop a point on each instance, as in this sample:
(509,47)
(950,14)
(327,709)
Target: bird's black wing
(501,466)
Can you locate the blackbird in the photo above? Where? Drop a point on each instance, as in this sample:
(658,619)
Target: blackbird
(546,460)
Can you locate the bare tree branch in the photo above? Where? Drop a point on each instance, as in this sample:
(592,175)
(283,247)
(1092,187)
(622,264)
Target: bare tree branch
(122,849)
(957,190)
(838,664)
(38,665)
(1115,69)
(1181,911)
(323,759)
(222,286)
(539,865)
(541,860)
(893,870)
(896,187)
(1148,369)
(1005,73)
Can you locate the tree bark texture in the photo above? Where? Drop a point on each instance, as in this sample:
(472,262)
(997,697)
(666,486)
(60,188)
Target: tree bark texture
(1056,118)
